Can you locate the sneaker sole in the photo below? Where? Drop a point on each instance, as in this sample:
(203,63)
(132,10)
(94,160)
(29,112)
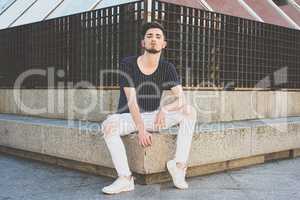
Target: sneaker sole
(123,190)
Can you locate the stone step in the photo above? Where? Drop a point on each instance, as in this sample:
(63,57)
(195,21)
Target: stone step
(215,147)
(94,105)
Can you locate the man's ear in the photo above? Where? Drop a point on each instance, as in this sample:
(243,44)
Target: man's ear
(143,43)
(165,44)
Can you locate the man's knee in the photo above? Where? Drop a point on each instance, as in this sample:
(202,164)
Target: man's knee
(190,112)
(109,128)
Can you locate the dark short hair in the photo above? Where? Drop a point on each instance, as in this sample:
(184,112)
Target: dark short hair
(150,25)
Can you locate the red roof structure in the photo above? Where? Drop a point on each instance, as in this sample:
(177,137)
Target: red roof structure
(230,7)
(292,12)
(261,10)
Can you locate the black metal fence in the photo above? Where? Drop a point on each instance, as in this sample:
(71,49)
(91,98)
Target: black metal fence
(209,49)
(213,49)
(76,48)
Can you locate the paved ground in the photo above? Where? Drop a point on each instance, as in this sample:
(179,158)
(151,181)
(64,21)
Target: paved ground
(31,180)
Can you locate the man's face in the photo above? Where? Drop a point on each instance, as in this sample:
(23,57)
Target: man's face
(154,41)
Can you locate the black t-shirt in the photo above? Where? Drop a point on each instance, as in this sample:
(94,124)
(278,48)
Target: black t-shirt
(148,88)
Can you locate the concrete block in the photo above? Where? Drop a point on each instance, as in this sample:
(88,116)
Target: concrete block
(294,132)
(215,147)
(94,105)
(4,133)
(43,103)
(237,105)
(280,107)
(22,136)
(191,172)
(8,104)
(278,155)
(272,104)
(206,169)
(244,162)
(264,104)
(293,103)
(88,146)
(13,105)
(2,100)
(114,100)
(34,102)
(71,164)
(296,153)
(207,104)
(60,138)
(207,147)
(272,137)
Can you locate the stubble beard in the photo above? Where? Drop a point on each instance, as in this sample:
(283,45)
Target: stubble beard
(152,51)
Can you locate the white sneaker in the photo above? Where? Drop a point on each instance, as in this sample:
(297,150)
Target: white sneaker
(121,184)
(178,175)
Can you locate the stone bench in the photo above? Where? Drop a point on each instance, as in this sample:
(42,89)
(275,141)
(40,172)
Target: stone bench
(215,147)
(94,105)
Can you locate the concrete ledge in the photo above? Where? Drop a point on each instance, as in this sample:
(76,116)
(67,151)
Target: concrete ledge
(71,164)
(278,155)
(94,105)
(215,147)
(91,105)
(144,179)
(296,153)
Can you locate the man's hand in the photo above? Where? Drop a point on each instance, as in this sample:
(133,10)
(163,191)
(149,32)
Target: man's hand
(160,120)
(145,138)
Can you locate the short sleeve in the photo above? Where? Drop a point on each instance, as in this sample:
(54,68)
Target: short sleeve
(172,78)
(125,75)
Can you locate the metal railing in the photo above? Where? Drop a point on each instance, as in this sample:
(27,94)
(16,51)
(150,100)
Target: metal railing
(209,50)
(71,49)
(217,50)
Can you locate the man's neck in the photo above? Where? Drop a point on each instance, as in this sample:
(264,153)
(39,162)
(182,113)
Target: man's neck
(150,60)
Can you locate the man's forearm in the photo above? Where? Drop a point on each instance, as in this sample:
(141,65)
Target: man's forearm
(136,116)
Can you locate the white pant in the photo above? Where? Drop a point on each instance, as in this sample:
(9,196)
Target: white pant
(123,124)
